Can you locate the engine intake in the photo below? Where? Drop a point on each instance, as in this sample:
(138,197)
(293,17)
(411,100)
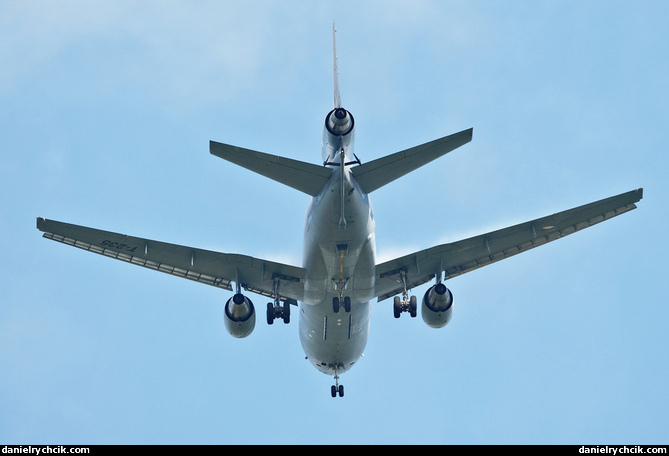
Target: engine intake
(339,122)
(240,316)
(437,306)
(338,134)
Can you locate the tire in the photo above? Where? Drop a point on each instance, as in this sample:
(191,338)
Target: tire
(335,305)
(347,304)
(333,391)
(413,307)
(397,307)
(270,313)
(286,312)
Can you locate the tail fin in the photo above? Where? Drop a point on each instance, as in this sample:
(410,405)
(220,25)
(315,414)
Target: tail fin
(379,172)
(337,97)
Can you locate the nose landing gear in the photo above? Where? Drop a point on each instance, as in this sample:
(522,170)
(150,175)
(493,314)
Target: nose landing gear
(337,388)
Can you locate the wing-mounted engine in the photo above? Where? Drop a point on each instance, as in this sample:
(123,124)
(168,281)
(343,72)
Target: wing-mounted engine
(437,306)
(240,316)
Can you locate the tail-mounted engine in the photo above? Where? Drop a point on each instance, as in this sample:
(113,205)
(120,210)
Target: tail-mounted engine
(339,122)
(437,306)
(337,133)
(240,316)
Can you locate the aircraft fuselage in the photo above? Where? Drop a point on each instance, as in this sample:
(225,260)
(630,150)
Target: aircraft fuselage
(340,255)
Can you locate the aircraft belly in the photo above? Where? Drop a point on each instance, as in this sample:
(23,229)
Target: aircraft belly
(332,254)
(340,260)
(334,341)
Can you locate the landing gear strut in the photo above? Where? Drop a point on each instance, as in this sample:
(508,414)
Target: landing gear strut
(406,303)
(340,284)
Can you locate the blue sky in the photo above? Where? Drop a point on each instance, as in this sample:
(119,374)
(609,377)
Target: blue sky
(106,110)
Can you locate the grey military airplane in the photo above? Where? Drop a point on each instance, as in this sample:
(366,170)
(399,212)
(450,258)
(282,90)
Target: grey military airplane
(339,277)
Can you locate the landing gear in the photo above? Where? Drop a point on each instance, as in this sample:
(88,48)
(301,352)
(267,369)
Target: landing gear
(334,390)
(337,388)
(276,309)
(336,304)
(406,303)
(340,283)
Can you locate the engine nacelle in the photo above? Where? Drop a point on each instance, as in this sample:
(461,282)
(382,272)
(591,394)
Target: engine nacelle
(437,306)
(339,122)
(240,316)
(337,133)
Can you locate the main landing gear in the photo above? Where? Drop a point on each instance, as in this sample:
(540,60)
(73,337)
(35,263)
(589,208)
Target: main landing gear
(276,309)
(340,283)
(406,303)
(337,303)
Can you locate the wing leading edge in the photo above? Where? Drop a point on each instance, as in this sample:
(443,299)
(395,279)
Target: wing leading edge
(459,257)
(204,266)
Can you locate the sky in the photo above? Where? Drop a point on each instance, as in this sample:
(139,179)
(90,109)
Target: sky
(106,111)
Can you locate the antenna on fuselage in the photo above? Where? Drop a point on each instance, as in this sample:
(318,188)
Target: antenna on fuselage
(337,97)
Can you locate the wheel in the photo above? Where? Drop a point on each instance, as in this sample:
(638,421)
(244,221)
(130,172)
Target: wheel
(286,312)
(413,306)
(341,390)
(270,313)
(333,391)
(397,307)
(335,304)
(347,304)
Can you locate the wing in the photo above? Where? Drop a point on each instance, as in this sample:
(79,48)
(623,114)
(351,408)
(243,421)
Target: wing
(204,266)
(463,256)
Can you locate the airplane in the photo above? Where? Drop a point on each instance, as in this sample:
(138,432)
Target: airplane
(339,277)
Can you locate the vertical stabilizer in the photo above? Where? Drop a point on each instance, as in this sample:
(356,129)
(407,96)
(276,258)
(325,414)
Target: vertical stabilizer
(338,128)
(337,97)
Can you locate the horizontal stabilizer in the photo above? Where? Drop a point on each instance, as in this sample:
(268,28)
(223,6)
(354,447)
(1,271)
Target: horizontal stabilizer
(305,177)
(377,173)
